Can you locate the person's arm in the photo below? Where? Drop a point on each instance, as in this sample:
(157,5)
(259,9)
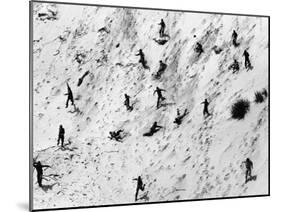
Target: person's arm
(163,90)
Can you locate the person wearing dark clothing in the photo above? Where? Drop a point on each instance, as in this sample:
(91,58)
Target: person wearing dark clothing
(249,167)
(199,48)
(206,111)
(116,135)
(69,96)
(160,96)
(154,128)
(140,186)
(39,168)
(178,119)
(162,68)
(234,66)
(162,28)
(234,38)
(142,60)
(127,103)
(247,59)
(61,136)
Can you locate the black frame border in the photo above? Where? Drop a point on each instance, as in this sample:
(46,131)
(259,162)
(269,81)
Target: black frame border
(31,104)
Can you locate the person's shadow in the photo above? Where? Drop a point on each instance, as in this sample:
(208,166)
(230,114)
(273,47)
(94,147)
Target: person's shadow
(23,206)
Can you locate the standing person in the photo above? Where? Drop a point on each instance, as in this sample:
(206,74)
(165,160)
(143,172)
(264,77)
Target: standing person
(39,168)
(234,38)
(160,96)
(61,135)
(162,28)
(206,111)
(69,96)
(247,59)
(127,102)
(140,186)
(249,167)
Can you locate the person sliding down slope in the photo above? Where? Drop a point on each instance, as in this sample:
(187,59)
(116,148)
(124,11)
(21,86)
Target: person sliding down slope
(39,168)
(140,186)
(234,38)
(116,135)
(248,64)
(127,103)
(249,167)
(160,96)
(162,68)
(199,48)
(162,28)
(69,96)
(206,111)
(142,60)
(154,128)
(178,119)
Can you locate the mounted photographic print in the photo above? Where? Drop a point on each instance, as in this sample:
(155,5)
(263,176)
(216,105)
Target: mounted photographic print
(139,105)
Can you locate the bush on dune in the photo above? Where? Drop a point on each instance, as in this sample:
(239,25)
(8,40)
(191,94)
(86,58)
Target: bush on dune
(240,108)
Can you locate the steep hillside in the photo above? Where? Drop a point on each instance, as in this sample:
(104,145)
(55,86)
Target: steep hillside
(201,158)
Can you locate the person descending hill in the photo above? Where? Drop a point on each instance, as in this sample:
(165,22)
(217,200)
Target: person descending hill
(39,168)
(199,48)
(234,66)
(61,136)
(206,111)
(162,68)
(162,28)
(249,167)
(140,186)
(69,96)
(160,96)
(153,129)
(247,60)
(234,38)
(116,135)
(179,118)
(127,103)
(142,60)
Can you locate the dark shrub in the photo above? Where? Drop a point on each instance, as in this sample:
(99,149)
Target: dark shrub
(240,108)
(259,98)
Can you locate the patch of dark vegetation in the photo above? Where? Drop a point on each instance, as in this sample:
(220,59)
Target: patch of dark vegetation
(240,108)
(260,96)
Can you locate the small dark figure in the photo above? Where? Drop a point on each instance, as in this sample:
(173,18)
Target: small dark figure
(79,57)
(116,135)
(206,111)
(80,80)
(247,60)
(140,186)
(179,118)
(217,49)
(61,136)
(39,168)
(234,38)
(162,68)
(154,128)
(127,103)
(199,48)
(69,96)
(234,66)
(249,167)
(160,96)
(161,41)
(162,28)
(142,60)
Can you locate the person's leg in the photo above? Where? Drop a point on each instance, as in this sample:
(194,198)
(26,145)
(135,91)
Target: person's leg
(62,140)
(136,195)
(246,178)
(66,106)
(158,102)
(39,180)
(59,140)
